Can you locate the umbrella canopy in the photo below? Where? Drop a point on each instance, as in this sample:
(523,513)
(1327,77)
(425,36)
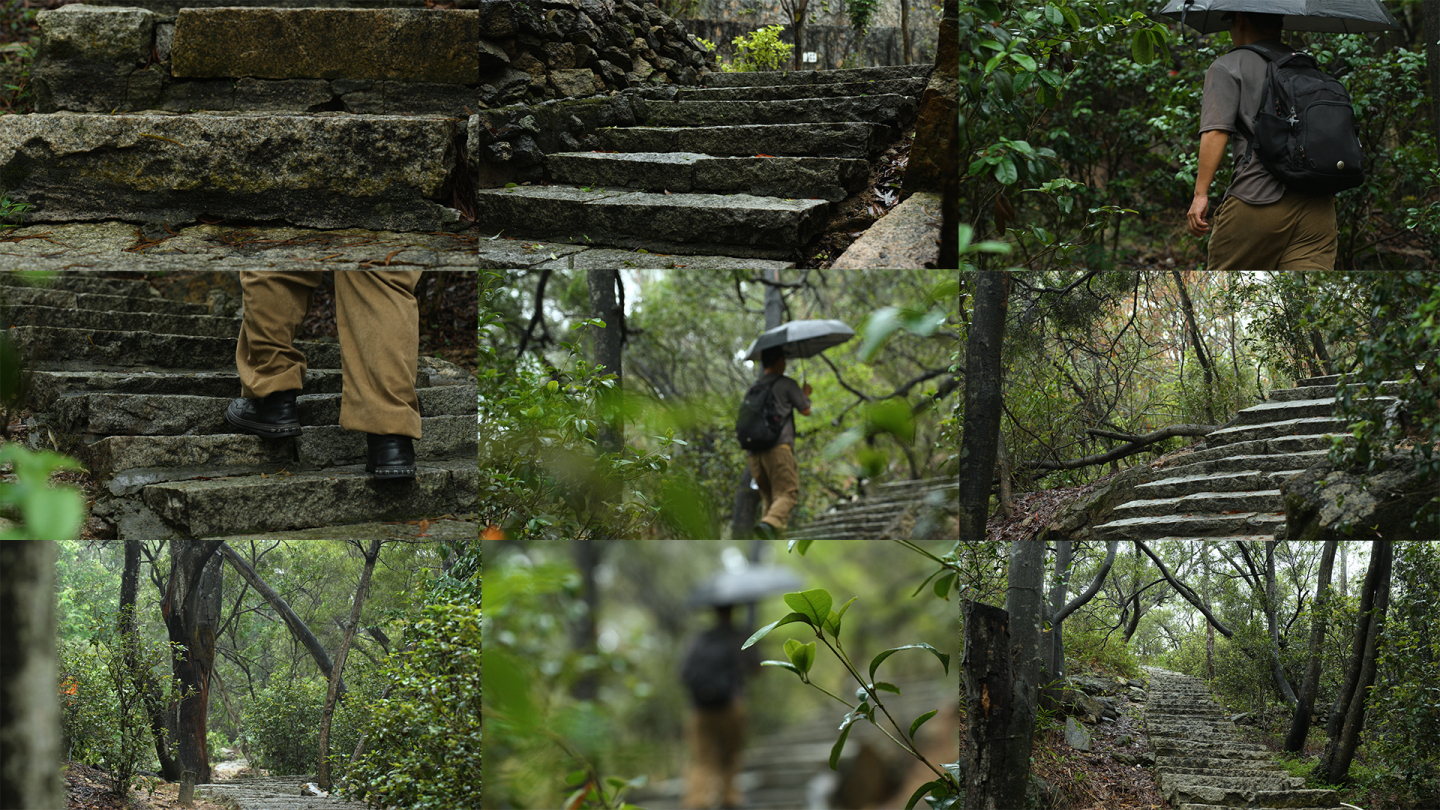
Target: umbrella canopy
(1326,16)
(801,338)
(749,585)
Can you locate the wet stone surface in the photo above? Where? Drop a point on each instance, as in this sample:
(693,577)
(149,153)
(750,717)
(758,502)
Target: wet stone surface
(126,246)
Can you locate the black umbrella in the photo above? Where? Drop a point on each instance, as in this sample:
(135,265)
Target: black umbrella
(1327,16)
(748,585)
(801,338)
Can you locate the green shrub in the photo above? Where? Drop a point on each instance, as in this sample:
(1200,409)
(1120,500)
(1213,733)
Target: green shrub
(424,734)
(761,50)
(282,723)
(1098,650)
(102,715)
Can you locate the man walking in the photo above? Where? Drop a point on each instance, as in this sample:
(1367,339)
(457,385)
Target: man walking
(714,673)
(1259,225)
(775,470)
(379,326)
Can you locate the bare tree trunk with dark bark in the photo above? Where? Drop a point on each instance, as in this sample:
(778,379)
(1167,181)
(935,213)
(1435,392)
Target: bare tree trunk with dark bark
(1053,639)
(1195,337)
(979,440)
(988,686)
(1347,716)
(1209,628)
(1277,672)
(191,609)
(1300,722)
(29,709)
(608,340)
(1026,605)
(586,551)
(332,693)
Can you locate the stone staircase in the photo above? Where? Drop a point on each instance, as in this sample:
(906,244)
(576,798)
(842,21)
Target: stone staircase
(1231,489)
(172,135)
(1200,762)
(891,510)
(271,793)
(743,170)
(136,385)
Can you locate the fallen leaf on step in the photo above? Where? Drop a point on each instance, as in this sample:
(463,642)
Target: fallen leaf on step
(492,532)
(764,155)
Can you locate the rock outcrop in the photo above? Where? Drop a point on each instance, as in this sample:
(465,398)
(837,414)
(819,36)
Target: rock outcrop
(1323,502)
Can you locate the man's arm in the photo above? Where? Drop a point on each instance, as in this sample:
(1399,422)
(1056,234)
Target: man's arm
(1212,151)
(806,392)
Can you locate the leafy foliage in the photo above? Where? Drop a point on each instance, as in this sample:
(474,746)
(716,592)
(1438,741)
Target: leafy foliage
(1407,699)
(425,730)
(760,50)
(282,722)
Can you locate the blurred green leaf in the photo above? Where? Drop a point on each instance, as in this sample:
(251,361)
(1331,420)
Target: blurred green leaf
(814,604)
(765,631)
(920,721)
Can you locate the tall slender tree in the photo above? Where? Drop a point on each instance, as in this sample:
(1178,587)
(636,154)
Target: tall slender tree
(1347,716)
(984,399)
(29,709)
(1300,722)
(332,693)
(191,609)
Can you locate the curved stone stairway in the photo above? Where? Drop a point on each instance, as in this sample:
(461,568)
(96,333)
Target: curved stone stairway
(1200,762)
(136,385)
(741,171)
(271,793)
(1231,489)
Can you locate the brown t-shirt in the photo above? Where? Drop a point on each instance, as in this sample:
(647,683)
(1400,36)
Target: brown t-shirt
(789,396)
(1234,85)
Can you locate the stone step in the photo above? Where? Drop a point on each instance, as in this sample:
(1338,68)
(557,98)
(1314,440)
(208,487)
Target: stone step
(528,254)
(1280,462)
(904,87)
(802,77)
(1220,503)
(1258,769)
(1224,807)
(1169,782)
(1279,446)
(322,170)
(71,281)
(445,529)
(76,349)
(1327,379)
(830,179)
(878,109)
(178,414)
(767,226)
(1247,524)
(68,299)
(48,386)
(1304,426)
(1244,480)
(237,505)
(1228,764)
(1285,410)
(128,463)
(844,140)
(1308,392)
(119,321)
(1213,750)
(1227,797)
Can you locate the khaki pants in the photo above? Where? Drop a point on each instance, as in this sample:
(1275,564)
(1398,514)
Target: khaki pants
(717,738)
(379,326)
(1296,232)
(778,477)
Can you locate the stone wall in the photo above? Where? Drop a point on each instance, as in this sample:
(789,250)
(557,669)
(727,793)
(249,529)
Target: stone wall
(760,13)
(124,59)
(835,46)
(537,50)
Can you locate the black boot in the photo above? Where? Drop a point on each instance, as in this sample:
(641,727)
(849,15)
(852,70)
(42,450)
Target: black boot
(271,417)
(390,457)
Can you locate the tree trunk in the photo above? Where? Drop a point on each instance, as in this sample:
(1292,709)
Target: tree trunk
(331,694)
(298,628)
(1026,605)
(1186,592)
(1347,717)
(1200,354)
(905,30)
(984,398)
(582,637)
(745,513)
(988,686)
(1431,11)
(191,609)
(1300,723)
(155,709)
(29,710)
(1053,639)
(1007,495)
(1282,685)
(799,28)
(1344,570)
(1209,629)
(607,352)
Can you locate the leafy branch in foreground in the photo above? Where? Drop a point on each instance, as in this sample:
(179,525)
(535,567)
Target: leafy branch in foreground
(813,608)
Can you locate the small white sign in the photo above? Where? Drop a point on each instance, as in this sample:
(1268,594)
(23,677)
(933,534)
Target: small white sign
(810,56)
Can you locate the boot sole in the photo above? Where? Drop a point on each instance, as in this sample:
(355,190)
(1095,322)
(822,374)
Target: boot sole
(390,473)
(262,430)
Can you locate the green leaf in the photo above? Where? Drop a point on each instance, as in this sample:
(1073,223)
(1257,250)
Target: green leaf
(840,743)
(944,658)
(881,686)
(1053,15)
(1024,60)
(814,605)
(942,585)
(1071,16)
(804,544)
(783,665)
(507,688)
(1004,83)
(765,631)
(53,514)
(881,324)
(576,777)
(892,416)
(552,386)
(1005,171)
(1141,48)
(921,791)
(832,622)
(801,655)
(920,721)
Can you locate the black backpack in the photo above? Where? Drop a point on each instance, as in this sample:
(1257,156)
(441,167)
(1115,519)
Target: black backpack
(712,669)
(1305,133)
(759,424)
